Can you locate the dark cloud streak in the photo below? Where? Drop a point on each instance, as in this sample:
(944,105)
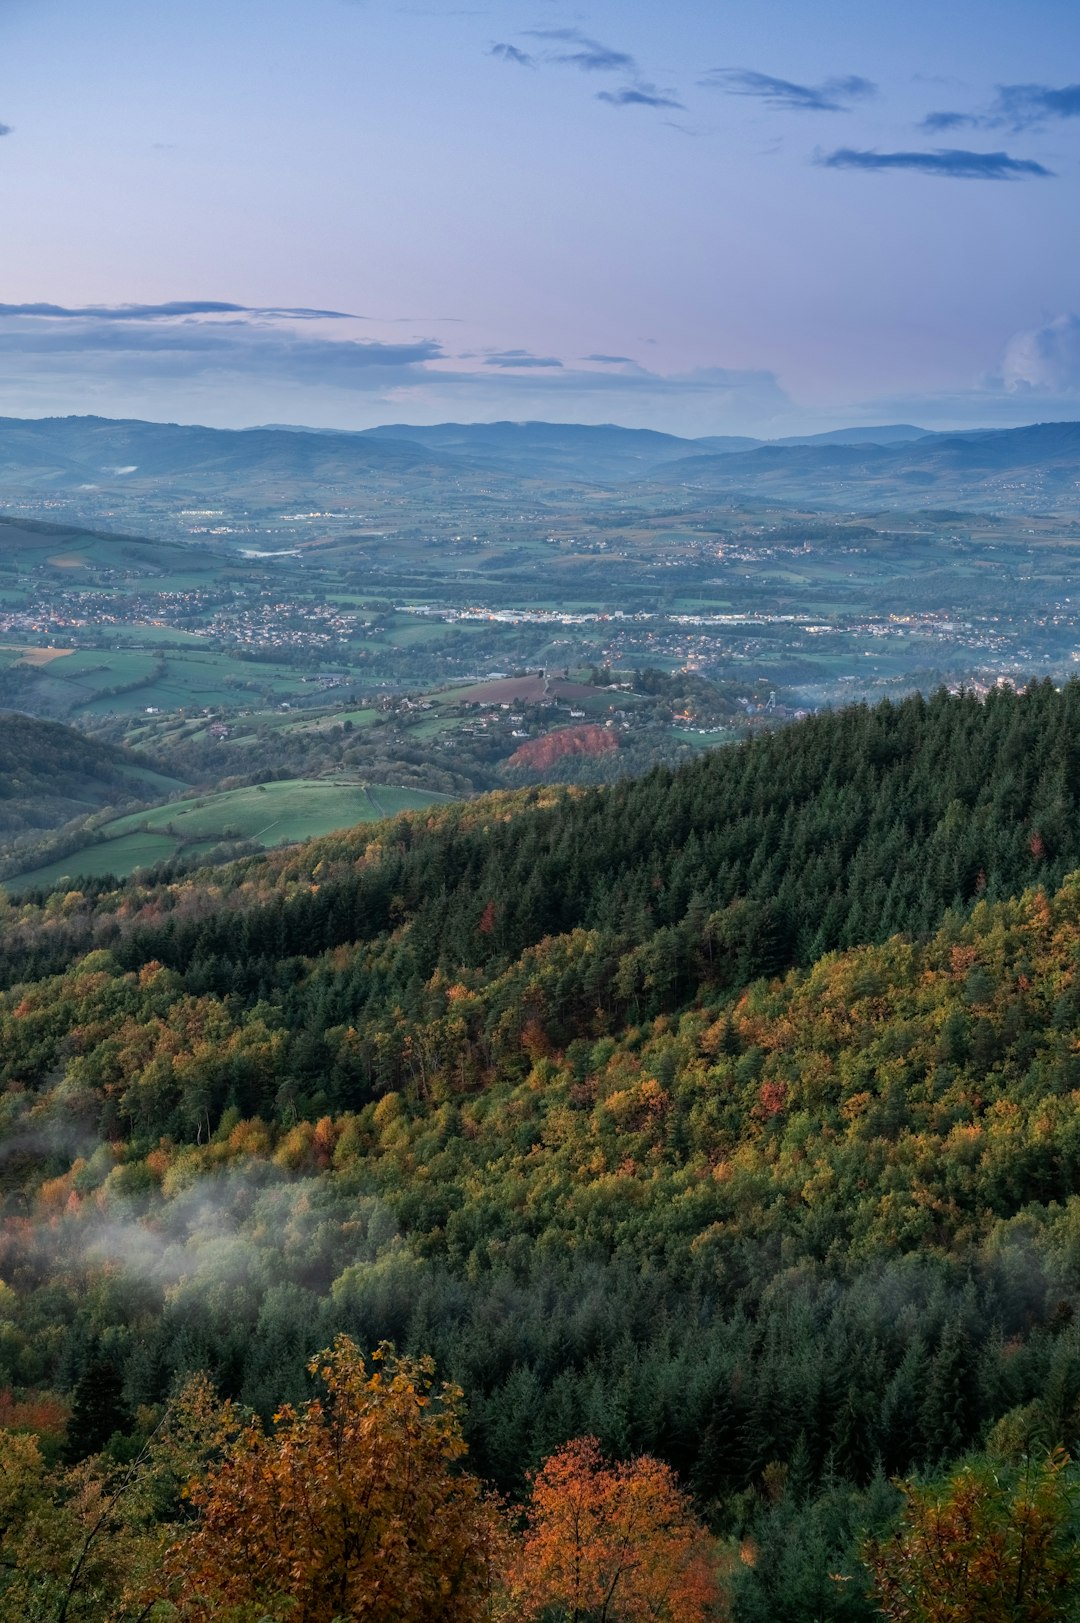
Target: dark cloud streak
(512,358)
(950,163)
(1022,107)
(638,96)
(935,123)
(1015,107)
(204,350)
(591,56)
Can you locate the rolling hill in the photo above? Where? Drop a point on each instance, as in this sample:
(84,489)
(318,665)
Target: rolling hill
(551,450)
(27,543)
(51,774)
(597,452)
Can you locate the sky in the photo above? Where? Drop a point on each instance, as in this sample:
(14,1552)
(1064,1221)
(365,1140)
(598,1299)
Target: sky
(701,216)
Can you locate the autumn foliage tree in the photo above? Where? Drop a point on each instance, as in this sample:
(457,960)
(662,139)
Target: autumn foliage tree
(994,1544)
(348,1507)
(611,1543)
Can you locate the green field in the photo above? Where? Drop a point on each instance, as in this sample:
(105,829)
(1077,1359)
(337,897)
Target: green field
(129,680)
(116,856)
(267,814)
(322,724)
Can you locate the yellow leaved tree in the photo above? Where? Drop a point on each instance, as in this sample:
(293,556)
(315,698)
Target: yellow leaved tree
(349,1506)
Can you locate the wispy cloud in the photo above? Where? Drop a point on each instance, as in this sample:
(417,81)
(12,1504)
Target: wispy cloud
(511,359)
(832,96)
(644,95)
(951,163)
(164,312)
(140,341)
(511,53)
(569,47)
(235,368)
(1014,107)
(588,54)
(1022,107)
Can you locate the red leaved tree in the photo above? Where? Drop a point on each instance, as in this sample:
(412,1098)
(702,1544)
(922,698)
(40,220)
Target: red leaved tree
(611,1543)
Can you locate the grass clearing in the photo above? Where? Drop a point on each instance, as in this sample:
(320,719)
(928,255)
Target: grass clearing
(268,814)
(294,809)
(432,728)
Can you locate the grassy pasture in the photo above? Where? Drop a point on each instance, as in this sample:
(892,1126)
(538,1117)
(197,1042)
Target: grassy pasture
(294,809)
(34,656)
(389,801)
(268,814)
(193,677)
(120,857)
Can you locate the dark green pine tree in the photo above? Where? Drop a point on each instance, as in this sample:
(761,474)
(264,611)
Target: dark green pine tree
(947,1415)
(98,1411)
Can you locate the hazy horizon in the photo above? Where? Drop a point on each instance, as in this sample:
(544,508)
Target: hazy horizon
(518,422)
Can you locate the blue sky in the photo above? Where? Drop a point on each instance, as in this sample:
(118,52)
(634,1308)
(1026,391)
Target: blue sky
(710,218)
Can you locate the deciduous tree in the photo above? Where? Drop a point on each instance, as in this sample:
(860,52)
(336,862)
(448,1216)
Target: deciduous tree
(349,1507)
(991,1545)
(612,1544)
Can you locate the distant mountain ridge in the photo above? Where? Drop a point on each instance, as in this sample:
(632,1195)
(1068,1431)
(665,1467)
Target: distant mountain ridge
(602,450)
(92,452)
(889,466)
(62,452)
(977,467)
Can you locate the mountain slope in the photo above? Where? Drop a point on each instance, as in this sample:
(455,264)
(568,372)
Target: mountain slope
(886,434)
(497,1082)
(889,466)
(603,451)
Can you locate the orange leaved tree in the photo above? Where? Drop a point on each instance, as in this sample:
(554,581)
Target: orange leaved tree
(611,1544)
(349,1507)
(993,1544)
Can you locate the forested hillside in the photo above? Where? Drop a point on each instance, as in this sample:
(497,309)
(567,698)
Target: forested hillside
(50,774)
(726,1116)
